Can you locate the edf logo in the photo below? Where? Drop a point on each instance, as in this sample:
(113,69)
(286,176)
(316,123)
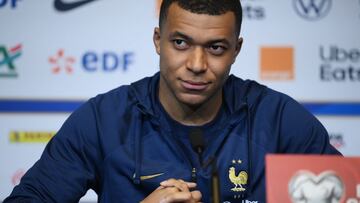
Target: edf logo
(107,61)
(312,9)
(13,3)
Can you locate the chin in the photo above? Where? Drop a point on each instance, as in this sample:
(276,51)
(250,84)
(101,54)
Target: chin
(193,100)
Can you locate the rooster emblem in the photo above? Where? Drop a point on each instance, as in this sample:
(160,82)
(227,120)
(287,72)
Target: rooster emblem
(238,180)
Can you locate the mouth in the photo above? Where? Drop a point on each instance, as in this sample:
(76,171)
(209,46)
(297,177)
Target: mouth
(194,85)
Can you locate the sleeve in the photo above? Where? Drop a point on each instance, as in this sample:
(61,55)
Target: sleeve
(301,132)
(68,166)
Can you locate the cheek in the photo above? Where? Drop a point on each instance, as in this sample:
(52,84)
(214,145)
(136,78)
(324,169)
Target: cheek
(171,62)
(220,68)
(221,77)
(168,68)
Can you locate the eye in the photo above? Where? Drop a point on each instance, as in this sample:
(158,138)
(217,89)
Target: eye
(180,44)
(217,49)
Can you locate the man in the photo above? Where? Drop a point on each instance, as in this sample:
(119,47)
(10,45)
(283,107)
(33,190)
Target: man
(133,143)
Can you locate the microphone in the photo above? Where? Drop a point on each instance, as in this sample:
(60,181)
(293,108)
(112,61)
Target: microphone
(215,183)
(197,143)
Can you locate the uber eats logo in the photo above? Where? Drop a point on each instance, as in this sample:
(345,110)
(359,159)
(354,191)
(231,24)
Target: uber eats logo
(339,64)
(253,9)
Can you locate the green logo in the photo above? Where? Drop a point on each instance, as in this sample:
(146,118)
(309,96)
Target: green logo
(7,58)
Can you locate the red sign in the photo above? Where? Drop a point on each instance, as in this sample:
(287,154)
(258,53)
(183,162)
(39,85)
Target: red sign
(312,178)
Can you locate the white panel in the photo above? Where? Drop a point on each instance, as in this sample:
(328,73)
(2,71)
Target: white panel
(20,156)
(344,133)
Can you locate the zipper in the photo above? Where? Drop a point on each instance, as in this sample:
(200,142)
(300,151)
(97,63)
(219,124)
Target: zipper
(193,175)
(173,142)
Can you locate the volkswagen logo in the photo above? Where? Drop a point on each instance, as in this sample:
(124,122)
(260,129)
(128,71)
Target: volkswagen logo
(312,9)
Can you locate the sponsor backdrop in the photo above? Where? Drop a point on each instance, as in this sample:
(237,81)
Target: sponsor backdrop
(56,54)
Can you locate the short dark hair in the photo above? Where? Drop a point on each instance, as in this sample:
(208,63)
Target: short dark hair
(210,7)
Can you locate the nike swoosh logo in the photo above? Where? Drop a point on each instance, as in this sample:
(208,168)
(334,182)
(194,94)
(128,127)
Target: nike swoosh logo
(150,176)
(60,5)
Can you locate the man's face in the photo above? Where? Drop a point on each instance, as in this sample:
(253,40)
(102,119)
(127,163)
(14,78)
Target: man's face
(196,53)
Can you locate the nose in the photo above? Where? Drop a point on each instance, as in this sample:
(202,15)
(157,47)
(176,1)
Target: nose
(197,62)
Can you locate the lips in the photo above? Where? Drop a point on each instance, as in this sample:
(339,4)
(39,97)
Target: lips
(194,86)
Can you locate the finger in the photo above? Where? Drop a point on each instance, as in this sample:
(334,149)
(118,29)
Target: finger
(173,182)
(160,187)
(181,185)
(167,182)
(177,196)
(189,184)
(196,195)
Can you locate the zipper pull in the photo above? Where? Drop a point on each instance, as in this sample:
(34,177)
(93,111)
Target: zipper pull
(193,175)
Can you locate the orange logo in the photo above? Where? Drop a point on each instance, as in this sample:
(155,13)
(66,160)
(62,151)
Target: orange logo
(277,63)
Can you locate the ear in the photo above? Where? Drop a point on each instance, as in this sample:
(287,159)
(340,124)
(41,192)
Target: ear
(238,48)
(156,39)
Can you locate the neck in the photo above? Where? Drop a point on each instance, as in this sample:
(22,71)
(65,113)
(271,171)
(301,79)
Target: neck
(187,114)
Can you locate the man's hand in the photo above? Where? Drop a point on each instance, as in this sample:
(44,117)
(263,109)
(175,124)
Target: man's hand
(174,191)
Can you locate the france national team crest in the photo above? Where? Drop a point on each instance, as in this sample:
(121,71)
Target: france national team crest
(238,179)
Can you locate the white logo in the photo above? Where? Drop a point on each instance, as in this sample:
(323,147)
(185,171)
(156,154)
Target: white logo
(306,187)
(312,9)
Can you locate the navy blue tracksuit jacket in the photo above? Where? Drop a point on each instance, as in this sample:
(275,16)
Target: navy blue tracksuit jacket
(119,146)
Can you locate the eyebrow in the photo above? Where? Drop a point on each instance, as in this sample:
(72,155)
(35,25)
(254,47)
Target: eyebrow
(191,40)
(182,35)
